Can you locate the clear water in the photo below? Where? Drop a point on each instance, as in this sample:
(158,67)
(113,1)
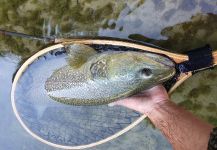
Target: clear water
(175,25)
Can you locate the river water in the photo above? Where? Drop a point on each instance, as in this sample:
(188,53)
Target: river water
(175,25)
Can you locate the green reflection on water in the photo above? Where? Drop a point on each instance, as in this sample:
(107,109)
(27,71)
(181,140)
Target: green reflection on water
(200,30)
(198,94)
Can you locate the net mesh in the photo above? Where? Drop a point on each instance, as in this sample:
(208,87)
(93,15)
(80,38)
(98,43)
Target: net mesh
(59,123)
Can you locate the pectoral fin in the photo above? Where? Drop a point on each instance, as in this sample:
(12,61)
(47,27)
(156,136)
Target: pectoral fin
(78,54)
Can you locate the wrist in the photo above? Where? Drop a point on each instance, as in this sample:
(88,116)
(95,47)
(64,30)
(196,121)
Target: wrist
(157,106)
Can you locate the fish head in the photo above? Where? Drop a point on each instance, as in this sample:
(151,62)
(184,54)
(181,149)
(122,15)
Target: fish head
(141,68)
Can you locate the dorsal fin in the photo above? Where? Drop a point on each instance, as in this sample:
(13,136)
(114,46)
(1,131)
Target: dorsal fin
(78,54)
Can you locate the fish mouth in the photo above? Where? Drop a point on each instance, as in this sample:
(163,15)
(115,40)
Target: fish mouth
(169,75)
(169,64)
(166,61)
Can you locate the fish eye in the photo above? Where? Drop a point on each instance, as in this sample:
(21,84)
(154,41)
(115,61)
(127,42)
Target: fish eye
(146,72)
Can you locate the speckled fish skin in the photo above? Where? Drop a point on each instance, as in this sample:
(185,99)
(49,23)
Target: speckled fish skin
(102,78)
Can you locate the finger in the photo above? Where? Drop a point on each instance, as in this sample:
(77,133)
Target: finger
(136,99)
(122,102)
(156,89)
(129,101)
(132,103)
(118,102)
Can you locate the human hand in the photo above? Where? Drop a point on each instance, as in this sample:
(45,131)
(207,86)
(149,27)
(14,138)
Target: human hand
(145,101)
(176,123)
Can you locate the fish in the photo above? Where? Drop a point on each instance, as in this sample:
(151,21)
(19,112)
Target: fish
(97,78)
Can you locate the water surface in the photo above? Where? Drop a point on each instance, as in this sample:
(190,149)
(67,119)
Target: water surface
(175,25)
